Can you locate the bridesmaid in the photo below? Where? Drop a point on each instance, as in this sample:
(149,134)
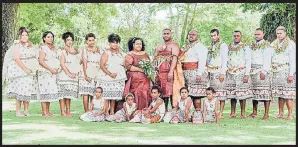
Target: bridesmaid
(138,83)
(113,77)
(68,82)
(47,74)
(89,71)
(21,72)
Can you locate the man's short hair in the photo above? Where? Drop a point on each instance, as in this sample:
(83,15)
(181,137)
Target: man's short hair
(281,28)
(167,29)
(236,31)
(215,30)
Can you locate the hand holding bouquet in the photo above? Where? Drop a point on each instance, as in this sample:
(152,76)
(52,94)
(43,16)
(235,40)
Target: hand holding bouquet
(147,67)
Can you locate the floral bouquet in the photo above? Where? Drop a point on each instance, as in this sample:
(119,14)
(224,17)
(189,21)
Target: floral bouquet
(147,67)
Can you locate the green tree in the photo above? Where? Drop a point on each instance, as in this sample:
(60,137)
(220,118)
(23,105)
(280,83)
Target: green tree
(275,14)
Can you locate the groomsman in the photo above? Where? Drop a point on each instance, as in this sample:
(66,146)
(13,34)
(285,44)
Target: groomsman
(217,67)
(193,58)
(284,71)
(260,72)
(238,82)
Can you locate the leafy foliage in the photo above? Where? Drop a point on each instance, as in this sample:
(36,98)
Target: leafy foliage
(275,14)
(133,19)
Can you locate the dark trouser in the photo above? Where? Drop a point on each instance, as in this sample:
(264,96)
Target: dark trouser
(166,101)
(197,101)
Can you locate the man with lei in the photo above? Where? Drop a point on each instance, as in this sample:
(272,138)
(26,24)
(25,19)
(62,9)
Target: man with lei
(193,58)
(238,83)
(259,73)
(217,67)
(284,71)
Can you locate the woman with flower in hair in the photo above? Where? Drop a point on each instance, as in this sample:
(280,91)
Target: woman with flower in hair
(22,66)
(47,74)
(126,113)
(138,82)
(112,78)
(68,82)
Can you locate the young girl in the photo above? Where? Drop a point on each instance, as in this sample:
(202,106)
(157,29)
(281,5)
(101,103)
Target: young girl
(126,113)
(182,113)
(96,112)
(210,112)
(155,112)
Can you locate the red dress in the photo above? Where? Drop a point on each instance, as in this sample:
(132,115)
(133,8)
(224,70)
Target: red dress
(137,82)
(164,60)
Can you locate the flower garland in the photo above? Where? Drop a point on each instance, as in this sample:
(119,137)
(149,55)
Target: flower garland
(237,48)
(214,53)
(186,47)
(278,49)
(262,45)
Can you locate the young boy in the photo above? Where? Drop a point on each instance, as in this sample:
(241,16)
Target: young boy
(156,110)
(210,106)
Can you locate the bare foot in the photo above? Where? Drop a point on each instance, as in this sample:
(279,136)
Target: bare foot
(20,115)
(63,114)
(45,115)
(69,115)
(290,117)
(232,116)
(253,115)
(51,115)
(26,114)
(279,116)
(221,115)
(265,117)
(243,117)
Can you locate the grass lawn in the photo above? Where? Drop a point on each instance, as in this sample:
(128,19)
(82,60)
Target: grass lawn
(63,130)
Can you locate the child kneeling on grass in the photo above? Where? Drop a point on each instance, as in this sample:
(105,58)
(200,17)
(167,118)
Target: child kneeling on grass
(96,111)
(210,106)
(182,113)
(126,113)
(155,112)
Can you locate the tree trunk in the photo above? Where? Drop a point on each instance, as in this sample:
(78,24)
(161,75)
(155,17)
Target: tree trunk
(9,14)
(182,39)
(294,29)
(177,26)
(190,26)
